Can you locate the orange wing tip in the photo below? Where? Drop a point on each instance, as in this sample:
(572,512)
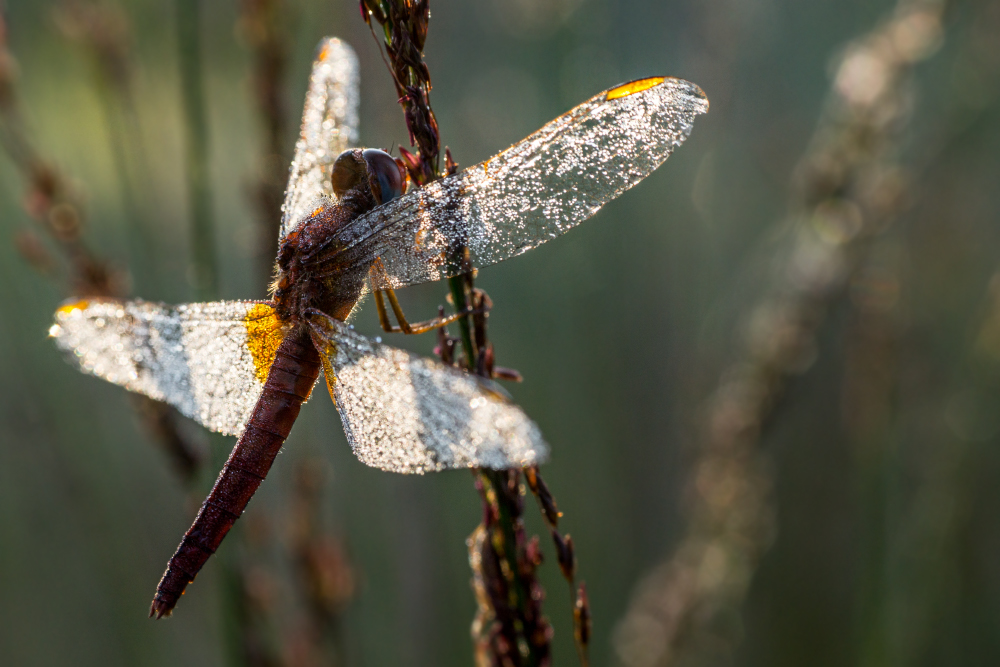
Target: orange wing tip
(325,46)
(68,309)
(634,87)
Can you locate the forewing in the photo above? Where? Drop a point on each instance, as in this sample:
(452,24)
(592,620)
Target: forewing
(410,414)
(209,360)
(532,192)
(329,126)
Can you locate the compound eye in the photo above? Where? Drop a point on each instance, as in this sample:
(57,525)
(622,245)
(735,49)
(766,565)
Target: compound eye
(384,175)
(348,170)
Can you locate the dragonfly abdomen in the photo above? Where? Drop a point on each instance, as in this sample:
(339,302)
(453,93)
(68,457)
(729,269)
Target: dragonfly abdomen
(290,379)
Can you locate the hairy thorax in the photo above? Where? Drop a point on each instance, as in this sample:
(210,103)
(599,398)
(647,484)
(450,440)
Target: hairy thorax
(312,272)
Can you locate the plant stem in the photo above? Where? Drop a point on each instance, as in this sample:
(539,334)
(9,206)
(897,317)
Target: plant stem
(205,272)
(457,287)
(509,627)
(264,25)
(849,179)
(566,556)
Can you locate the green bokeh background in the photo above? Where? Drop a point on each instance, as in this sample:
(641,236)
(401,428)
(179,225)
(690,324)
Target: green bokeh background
(621,330)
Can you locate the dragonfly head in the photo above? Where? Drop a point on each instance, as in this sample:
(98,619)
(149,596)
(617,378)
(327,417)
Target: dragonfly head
(353,167)
(384,175)
(348,170)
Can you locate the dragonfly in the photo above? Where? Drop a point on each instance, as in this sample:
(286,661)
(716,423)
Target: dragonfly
(350,225)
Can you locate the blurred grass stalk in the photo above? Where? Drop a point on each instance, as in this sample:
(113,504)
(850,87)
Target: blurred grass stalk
(264,26)
(324,576)
(509,628)
(870,416)
(51,201)
(103,31)
(204,262)
(919,469)
(288,599)
(918,499)
(849,187)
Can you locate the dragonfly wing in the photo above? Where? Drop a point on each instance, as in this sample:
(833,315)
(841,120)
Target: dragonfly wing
(533,191)
(209,360)
(410,414)
(329,127)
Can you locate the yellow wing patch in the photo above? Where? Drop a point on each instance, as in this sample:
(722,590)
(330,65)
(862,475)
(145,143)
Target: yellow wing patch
(68,308)
(331,377)
(264,335)
(634,87)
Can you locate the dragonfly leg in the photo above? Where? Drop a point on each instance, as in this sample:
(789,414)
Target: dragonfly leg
(383,316)
(418,327)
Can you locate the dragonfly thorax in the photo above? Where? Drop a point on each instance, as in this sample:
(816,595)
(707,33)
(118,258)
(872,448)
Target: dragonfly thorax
(313,271)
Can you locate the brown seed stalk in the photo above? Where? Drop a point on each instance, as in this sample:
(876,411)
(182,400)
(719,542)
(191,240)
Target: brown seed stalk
(509,627)
(849,189)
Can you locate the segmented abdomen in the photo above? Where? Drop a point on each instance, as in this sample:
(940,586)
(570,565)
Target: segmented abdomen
(289,381)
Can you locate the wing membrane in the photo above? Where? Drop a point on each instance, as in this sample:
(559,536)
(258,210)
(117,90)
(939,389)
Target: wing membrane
(209,360)
(410,414)
(329,126)
(532,192)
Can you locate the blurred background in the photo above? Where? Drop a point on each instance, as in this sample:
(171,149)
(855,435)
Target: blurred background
(770,373)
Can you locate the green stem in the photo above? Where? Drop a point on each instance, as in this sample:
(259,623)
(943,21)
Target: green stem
(203,255)
(457,287)
(140,242)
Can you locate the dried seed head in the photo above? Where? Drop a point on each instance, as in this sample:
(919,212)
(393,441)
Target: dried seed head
(581,617)
(541,490)
(565,554)
(533,552)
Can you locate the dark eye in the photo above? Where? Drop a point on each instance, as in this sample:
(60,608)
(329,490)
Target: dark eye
(348,170)
(384,175)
